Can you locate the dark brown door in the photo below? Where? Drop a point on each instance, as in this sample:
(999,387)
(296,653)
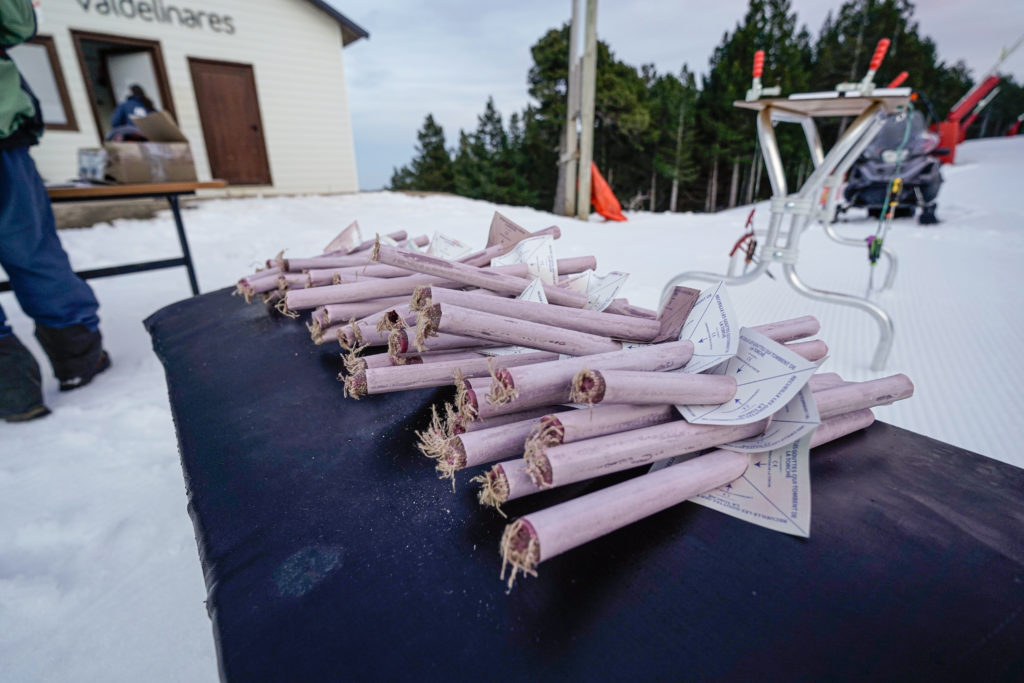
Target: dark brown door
(230,115)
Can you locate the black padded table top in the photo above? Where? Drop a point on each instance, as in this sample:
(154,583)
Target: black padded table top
(331,551)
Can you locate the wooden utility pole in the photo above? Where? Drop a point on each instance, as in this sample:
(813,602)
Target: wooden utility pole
(588,87)
(565,204)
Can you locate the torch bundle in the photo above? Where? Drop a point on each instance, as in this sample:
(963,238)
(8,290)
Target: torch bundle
(559,381)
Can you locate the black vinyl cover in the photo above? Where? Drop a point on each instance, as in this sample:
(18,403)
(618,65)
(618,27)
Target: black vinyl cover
(331,551)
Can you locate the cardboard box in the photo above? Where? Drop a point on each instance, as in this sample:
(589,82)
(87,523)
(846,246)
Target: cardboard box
(166,158)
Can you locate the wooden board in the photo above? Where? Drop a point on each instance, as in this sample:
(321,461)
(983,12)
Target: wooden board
(141,189)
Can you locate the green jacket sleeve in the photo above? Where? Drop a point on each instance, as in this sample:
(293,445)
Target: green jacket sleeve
(17,22)
(17,109)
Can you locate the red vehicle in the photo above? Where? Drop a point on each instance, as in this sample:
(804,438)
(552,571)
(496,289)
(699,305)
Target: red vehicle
(953,130)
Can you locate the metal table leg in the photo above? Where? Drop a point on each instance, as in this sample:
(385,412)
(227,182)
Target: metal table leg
(176,210)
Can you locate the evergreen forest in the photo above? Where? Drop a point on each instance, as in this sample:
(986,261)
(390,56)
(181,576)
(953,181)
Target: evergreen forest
(675,142)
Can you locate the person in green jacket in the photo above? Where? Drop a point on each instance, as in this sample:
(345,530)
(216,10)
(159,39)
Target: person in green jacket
(62,305)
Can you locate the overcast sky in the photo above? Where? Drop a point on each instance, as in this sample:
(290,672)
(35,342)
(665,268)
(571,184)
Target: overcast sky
(446,57)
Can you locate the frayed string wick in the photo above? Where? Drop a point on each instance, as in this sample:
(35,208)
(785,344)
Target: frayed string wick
(454,423)
(357,336)
(466,409)
(493,489)
(375,254)
(353,363)
(282,308)
(355,385)
(420,301)
(424,329)
(522,558)
(243,289)
(390,322)
(446,470)
(500,393)
(580,392)
(356,345)
(316,331)
(433,439)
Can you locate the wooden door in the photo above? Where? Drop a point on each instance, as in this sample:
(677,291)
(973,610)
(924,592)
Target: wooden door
(229,112)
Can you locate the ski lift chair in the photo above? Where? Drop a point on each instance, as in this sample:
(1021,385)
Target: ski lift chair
(815,200)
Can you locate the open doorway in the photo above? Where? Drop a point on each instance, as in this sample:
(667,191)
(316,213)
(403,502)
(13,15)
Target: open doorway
(111,65)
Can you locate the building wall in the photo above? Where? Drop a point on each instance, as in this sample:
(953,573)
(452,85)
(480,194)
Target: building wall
(296,54)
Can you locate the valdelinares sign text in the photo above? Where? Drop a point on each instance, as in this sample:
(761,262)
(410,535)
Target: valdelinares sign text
(162,13)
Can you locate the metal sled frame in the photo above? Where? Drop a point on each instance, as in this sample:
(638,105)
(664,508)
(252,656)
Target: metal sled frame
(806,205)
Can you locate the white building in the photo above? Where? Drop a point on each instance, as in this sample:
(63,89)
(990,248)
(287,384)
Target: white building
(257,87)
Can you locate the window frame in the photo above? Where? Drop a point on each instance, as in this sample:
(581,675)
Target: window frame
(50,45)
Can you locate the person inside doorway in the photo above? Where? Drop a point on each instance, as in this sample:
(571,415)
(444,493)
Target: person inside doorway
(62,305)
(136,104)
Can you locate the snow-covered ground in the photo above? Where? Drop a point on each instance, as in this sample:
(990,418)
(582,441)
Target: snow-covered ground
(99,577)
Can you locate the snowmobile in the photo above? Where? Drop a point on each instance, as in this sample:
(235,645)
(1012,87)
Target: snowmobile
(896,151)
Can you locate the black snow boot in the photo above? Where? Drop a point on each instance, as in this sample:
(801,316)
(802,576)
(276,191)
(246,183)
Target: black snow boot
(21,386)
(76,354)
(927,216)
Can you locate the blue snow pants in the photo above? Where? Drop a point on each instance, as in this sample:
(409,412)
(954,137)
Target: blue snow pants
(41,277)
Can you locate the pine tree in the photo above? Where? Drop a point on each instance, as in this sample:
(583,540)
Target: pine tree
(431,168)
(621,118)
(470,167)
(727,133)
(847,40)
(488,160)
(671,102)
(665,145)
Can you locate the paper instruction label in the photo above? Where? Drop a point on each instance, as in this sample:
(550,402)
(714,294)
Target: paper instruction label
(774,492)
(534,292)
(347,240)
(797,419)
(448,248)
(711,326)
(599,289)
(538,253)
(505,230)
(768,376)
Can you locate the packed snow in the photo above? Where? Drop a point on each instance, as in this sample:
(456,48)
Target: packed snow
(99,576)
